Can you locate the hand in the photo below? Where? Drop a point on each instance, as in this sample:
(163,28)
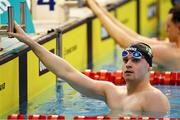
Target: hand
(19,34)
(87,2)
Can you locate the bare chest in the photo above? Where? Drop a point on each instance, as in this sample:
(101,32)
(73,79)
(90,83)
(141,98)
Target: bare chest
(126,103)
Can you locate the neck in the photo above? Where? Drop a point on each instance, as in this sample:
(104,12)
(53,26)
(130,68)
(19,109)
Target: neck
(178,42)
(135,87)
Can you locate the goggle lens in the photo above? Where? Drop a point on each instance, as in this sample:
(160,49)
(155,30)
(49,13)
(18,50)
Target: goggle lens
(135,54)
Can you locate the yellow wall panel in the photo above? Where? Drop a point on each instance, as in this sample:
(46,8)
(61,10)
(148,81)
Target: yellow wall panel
(9,87)
(103,50)
(129,20)
(74,47)
(148,17)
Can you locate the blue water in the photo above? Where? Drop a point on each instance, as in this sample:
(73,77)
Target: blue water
(63,100)
(172,92)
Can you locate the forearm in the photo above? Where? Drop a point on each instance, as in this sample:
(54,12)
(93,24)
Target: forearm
(116,32)
(118,23)
(127,30)
(53,62)
(58,65)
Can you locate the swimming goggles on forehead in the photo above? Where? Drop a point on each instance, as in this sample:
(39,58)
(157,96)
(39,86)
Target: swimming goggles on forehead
(134,54)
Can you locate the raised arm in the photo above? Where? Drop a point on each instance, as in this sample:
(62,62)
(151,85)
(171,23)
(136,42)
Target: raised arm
(123,35)
(62,68)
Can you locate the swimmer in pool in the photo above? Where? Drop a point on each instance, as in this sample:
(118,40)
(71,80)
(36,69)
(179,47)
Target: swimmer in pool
(166,52)
(137,96)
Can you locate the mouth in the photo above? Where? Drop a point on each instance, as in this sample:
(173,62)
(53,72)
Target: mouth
(128,71)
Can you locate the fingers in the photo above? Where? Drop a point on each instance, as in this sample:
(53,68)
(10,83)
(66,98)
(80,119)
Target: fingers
(17,27)
(12,34)
(19,34)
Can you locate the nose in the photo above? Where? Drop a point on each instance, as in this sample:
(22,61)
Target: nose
(129,63)
(167,27)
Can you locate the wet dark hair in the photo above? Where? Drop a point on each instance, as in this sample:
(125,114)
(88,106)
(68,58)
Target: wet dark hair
(175,11)
(174,2)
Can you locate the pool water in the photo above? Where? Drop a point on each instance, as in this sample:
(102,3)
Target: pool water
(172,92)
(64,100)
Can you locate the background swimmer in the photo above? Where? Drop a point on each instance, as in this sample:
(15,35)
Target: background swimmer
(165,52)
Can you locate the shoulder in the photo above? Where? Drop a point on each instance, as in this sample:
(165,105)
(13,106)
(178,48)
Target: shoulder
(155,94)
(114,91)
(110,87)
(163,51)
(156,101)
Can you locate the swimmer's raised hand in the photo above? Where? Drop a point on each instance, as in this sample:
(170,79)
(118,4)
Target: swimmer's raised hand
(19,34)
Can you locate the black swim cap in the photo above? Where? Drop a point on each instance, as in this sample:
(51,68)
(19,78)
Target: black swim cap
(144,49)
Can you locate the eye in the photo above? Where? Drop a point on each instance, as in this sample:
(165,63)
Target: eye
(125,60)
(135,60)
(136,54)
(125,53)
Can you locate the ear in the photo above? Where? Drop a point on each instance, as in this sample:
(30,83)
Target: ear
(149,68)
(178,25)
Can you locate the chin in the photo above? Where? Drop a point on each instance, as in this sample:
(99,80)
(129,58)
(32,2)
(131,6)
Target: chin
(171,39)
(128,79)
